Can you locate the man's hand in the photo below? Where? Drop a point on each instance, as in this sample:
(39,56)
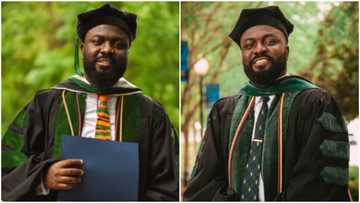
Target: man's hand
(64,174)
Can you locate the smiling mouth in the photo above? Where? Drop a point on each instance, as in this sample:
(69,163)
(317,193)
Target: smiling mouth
(103,62)
(260,60)
(261,64)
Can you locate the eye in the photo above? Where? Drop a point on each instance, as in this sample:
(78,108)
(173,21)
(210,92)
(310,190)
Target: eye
(121,45)
(271,42)
(248,44)
(97,41)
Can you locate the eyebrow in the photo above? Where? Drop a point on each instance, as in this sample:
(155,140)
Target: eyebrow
(265,36)
(122,37)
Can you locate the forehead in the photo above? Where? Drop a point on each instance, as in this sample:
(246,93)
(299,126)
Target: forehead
(260,31)
(106,31)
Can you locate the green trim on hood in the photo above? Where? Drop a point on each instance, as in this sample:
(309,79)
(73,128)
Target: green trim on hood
(286,84)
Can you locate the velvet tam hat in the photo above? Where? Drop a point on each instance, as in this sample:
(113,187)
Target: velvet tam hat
(106,15)
(270,15)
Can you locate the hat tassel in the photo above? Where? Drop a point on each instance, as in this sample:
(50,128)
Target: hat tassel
(76,58)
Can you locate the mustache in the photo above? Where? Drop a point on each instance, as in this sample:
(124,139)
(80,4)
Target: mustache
(105,57)
(253,60)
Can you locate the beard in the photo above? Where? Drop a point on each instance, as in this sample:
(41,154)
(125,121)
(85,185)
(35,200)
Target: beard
(267,77)
(107,77)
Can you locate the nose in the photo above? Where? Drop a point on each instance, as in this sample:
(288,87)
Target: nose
(107,48)
(260,49)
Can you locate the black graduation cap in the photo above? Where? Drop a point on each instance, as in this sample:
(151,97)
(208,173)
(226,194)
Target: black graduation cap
(270,15)
(107,15)
(103,15)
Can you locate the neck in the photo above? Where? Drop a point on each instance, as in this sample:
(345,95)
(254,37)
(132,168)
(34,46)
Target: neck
(104,84)
(264,86)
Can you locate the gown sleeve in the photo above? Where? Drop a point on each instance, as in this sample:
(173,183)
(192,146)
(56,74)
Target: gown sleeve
(317,150)
(24,158)
(208,180)
(163,159)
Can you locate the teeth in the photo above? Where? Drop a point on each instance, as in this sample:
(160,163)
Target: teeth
(104,60)
(103,63)
(261,60)
(258,59)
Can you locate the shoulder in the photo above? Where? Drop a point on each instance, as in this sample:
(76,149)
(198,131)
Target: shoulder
(149,105)
(150,102)
(43,101)
(43,93)
(46,96)
(226,105)
(318,103)
(314,97)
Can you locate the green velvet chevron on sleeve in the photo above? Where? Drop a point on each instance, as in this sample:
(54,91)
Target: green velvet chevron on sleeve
(330,123)
(12,142)
(335,149)
(335,175)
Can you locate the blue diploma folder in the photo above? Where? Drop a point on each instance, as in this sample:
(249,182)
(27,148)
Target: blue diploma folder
(111,169)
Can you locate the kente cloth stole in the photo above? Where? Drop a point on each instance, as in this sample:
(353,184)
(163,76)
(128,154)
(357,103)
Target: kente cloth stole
(103,130)
(131,118)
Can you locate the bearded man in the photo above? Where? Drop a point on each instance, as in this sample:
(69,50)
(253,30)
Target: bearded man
(100,104)
(281,138)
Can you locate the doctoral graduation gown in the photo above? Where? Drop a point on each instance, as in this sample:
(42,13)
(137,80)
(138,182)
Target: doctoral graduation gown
(315,150)
(32,142)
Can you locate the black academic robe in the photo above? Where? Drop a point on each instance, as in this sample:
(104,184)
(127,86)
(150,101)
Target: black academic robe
(306,160)
(33,132)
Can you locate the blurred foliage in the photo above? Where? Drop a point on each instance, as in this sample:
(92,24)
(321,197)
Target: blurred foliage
(323,49)
(354,182)
(38,45)
(335,64)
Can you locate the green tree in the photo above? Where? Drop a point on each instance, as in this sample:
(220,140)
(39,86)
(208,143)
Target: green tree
(334,66)
(38,45)
(323,48)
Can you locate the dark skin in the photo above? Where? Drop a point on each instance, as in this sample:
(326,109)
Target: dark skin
(260,42)
(106,47)
(103,40)
(64,174)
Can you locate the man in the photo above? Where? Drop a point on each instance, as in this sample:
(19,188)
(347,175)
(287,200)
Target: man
(282,138)
(100,104)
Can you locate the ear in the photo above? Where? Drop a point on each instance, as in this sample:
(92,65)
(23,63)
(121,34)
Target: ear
(287,50)
(82,47)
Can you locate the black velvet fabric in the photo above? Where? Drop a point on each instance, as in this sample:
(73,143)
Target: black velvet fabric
(303,160)
(270,15)
(107,15)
